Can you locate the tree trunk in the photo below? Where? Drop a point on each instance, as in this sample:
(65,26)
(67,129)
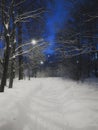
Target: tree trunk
(5,21)
(12,68)
(5,65)
(12,74)
(20,51)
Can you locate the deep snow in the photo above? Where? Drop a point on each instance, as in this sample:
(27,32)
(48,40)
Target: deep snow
(49,104)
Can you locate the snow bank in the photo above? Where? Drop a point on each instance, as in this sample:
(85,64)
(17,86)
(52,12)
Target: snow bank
(49,104)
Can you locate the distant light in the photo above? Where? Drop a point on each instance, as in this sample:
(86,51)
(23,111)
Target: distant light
(77,62)
(41,62)
(33,42)
(48,55)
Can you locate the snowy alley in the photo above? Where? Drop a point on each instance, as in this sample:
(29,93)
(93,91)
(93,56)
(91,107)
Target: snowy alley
(48,64)
(49,104)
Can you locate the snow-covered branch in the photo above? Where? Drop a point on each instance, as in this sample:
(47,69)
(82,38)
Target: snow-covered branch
(21,2)
(24,17)
(91,18)
(27,51)
(28,43)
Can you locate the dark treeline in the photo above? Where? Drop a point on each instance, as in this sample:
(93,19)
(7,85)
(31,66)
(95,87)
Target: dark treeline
(79,48)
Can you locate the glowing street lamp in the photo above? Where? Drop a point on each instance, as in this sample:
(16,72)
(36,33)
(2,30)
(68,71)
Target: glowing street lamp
(41,62)
(34,42)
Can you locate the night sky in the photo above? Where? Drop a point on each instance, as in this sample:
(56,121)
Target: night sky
(59,15)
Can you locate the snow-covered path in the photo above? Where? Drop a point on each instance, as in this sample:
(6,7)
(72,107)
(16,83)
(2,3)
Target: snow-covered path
(49,104)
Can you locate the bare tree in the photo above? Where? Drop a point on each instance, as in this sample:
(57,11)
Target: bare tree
(9,22)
